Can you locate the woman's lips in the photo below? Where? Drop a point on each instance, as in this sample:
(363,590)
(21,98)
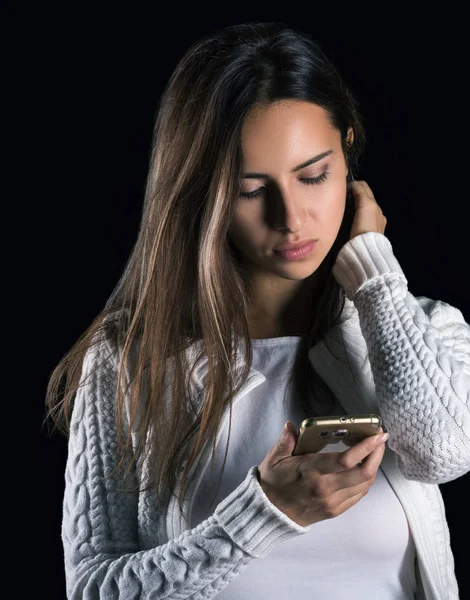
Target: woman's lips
(297,253)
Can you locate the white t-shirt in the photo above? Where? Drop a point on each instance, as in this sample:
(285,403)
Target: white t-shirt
(366,552)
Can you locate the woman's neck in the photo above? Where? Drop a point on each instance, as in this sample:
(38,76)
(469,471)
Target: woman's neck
(293,321)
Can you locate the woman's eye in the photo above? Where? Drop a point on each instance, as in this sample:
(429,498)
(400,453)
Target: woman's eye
(307,180)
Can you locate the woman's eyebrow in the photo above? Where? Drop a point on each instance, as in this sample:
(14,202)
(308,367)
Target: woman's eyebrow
(304,164)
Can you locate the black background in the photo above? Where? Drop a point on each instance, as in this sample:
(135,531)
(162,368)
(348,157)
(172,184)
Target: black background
(87,80)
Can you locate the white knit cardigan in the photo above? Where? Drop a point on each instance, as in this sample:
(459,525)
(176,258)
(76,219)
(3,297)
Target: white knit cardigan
(405,358)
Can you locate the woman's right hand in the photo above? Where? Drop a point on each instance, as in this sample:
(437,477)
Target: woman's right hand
(313,487)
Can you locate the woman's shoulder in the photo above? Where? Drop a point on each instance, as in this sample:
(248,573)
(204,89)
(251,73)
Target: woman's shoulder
(106,345)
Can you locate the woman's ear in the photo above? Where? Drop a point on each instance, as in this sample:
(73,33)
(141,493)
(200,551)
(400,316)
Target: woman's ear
(349,141)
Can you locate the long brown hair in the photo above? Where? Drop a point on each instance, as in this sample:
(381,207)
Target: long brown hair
(199,292)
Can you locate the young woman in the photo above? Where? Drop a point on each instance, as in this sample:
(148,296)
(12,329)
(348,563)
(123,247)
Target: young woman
(216,335)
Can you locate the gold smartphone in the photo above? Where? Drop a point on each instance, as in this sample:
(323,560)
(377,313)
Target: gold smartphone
(317,432)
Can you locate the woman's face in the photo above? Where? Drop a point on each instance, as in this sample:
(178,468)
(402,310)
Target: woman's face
(285,208)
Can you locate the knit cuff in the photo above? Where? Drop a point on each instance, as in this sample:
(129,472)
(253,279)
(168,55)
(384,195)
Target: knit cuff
(252,521)
(366,256)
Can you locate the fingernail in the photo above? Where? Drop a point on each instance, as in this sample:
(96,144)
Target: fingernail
(382,438)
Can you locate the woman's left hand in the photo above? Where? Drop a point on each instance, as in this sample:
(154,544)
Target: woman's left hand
(369,215)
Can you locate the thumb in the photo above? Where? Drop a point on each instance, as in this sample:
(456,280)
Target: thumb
(287,440)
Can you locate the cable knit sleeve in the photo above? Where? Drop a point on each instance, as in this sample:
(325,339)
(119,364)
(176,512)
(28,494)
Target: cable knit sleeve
(102,525)
(419,352)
